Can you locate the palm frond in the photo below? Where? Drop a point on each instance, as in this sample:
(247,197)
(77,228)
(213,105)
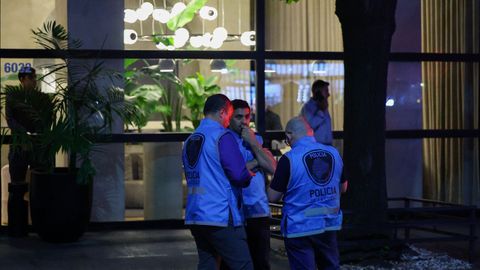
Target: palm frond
(79,110)
(53,36)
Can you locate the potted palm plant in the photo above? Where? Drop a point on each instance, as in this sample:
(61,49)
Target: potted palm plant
(60,198)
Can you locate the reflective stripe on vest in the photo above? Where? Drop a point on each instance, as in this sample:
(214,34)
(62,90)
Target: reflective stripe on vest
(320,211)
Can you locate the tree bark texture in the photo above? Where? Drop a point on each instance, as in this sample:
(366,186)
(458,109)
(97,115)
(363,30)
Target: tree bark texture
(367,28)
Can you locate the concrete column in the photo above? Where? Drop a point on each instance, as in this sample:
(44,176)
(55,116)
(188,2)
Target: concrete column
(97,24)
(163,180)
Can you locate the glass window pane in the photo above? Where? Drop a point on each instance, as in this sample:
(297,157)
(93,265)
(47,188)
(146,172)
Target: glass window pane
(437,26)
(218,25)
(403,161)
(288,87)
(309,25)
(171,92)
(155,187)
(420,95)
(444,169)
(18,17)
(421,26)
(432,95)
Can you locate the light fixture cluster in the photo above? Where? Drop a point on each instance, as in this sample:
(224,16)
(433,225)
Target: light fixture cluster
(146,9)
(182,36)
(210,40)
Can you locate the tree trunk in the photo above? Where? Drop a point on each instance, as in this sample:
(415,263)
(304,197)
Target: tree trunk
(367,28)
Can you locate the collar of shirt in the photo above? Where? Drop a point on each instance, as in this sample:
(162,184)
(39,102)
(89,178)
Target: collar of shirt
(304,141)
(210,122)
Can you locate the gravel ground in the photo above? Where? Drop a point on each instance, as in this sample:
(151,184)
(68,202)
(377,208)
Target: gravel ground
(413,258)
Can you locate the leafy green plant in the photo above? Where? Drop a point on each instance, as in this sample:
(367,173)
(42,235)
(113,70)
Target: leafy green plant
(196,89)
(82,108)
(153,91)
(186,15)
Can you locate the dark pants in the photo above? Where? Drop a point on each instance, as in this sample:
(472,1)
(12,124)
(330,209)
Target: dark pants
(229,243)
(319,249)
(17,207)
(258,237)
(18,161)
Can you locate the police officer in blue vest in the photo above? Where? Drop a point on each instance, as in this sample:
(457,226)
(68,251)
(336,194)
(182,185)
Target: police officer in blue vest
(309,179)
(216,173)
(255,201)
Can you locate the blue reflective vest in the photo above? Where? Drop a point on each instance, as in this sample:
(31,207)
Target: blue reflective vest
(312,200)
(255,201)
(211,200)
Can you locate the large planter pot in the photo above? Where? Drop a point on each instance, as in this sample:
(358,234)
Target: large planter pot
(60,208)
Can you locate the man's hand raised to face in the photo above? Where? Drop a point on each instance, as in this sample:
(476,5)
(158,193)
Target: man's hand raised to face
(249,136)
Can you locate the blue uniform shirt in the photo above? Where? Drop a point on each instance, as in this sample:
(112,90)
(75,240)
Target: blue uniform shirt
(255,201)
(319,121)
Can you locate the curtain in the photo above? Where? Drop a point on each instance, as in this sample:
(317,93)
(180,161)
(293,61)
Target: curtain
(309,25)
(450,100)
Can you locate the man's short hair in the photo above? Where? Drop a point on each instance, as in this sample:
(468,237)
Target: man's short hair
(215,103)
(240,104)
(26,71)
(319,84)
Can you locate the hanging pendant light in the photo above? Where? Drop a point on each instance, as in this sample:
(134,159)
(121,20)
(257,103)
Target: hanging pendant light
(166,65)
(218,65)
(319,67)
(270,66)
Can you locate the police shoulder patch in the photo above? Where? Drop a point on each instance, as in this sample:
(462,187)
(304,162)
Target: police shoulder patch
(319,166)
(194,148)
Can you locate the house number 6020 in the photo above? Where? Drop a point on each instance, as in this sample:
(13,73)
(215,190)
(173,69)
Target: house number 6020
(15,67)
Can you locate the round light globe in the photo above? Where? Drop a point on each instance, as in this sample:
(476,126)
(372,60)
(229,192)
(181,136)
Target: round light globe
(130,16)
(161,15)
(248,38)
(178,8)
(182,34)
(147,7)
(129,36)
(196,42)
(208,13)
(220,33)
(142,14)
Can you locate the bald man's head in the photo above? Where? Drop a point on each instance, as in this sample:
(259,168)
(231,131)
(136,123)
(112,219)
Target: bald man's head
(297,128)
